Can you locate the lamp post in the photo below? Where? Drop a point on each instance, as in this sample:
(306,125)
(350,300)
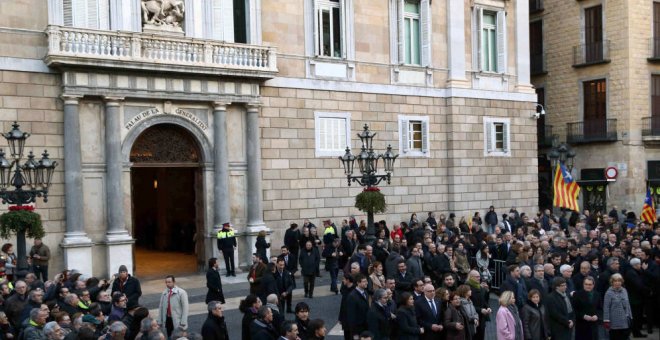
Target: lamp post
(34,174)
(367,161)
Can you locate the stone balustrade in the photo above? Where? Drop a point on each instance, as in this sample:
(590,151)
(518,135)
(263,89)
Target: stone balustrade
(79,46)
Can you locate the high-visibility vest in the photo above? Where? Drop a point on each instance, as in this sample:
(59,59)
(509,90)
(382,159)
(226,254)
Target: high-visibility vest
(225,233)
(329,230)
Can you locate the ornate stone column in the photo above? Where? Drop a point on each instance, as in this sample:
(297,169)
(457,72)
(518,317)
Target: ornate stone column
(76,245)
(255,222)
(118,241)
(221,161)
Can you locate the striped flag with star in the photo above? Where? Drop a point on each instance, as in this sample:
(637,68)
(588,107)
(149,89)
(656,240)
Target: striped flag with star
(566,189)
(648,210)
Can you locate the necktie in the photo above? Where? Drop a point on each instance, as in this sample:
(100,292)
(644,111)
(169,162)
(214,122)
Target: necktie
(435,311)
(169,307)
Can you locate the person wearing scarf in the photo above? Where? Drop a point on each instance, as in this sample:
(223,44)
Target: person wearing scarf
(561,317)
(588,305)
(509,326)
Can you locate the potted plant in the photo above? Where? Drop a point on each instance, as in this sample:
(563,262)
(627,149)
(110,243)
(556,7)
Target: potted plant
(21,219)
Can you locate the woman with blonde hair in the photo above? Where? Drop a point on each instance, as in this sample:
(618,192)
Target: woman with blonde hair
(509,325)
(617,314)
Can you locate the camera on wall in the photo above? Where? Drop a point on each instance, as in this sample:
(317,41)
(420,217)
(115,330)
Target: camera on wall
(540,111)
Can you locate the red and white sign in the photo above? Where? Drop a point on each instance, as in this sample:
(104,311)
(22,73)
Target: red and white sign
(611,173)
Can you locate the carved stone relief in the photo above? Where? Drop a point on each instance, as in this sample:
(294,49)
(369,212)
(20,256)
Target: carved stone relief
(163,16)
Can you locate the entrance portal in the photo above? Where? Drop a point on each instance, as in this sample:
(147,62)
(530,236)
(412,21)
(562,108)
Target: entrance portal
(166,199)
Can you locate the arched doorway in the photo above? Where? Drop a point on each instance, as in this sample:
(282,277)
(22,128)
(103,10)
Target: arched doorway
(167,203)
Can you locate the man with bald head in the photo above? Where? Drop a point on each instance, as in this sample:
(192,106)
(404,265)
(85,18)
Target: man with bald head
(427,309)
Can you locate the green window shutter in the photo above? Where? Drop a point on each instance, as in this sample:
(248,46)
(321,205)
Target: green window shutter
(425,136)
(489,136)
(403,130)
(501,42)
(425,22)
(505,137)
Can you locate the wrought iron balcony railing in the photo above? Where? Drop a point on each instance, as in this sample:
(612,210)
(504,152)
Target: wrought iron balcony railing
(592,53)
(544,136)
(651,126)
(591,131)
(535,6)
(78,46)
(537,64)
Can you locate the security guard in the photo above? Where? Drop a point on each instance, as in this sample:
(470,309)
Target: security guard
(227,244)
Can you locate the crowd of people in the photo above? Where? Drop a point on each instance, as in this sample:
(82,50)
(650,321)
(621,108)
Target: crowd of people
(574,276)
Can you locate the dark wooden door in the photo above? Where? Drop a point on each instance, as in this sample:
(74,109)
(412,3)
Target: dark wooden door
(595,109)
(593,33)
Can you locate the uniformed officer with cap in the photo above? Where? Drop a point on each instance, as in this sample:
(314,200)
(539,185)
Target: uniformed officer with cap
(227,244)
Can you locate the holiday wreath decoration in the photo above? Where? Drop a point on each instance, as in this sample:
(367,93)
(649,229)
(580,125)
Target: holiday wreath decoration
(21,218)
(371,200)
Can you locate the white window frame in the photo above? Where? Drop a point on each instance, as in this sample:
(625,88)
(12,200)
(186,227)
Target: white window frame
(490,137)
(501,37)
(339,151)
(414,39)
(397,32)
(404,139)
(318,7)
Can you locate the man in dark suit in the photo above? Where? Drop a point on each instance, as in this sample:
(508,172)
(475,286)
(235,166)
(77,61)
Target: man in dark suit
(213,282)
(285,285)
(292,243)
(561,316)
(427,309)
(403,279)
(290,261)
(538,282)
(504,248)
(516,285)
(357,306)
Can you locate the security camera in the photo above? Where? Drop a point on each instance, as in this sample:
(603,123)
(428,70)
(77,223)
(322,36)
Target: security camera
(536,115)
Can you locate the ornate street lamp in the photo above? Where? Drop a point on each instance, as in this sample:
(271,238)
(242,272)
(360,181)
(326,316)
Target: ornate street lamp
(561,153)
(33,174)
(367,161)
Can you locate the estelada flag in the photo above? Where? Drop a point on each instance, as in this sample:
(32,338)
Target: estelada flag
(566,189)
(648,210)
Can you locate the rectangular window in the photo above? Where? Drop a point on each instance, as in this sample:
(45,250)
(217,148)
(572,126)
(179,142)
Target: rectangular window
(496,137)
(536,59)
(411,35)
(414,136)
(656,29)
(655,95)
(593,33)
(329,28)
(595,107)
(489,42)
(332,133)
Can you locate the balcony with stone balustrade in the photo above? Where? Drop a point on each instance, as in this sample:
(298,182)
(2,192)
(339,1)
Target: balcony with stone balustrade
(81,47)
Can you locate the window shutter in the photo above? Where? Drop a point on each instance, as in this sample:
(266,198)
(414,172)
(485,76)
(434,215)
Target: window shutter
(68,12)
(505,137)
(489,136)
(79,13)
(218,32)
(501,42)
(425,22)
(343,20)
(403,123)
(477,17)
(399,24)
(317,37)
(425,136)
(227,20)
(104,14)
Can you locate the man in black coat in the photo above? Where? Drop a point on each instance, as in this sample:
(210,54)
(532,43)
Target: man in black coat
(128,285)
(227,245)
(262,327)
(292,242)
(516,285)
(427,310)
(403,279)
(603,284)
(357,306)
(214,327)
(379,317)
(285,285)
(561,316)
(538,282)
(213,282)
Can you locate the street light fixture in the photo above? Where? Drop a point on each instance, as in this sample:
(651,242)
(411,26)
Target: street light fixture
(33,174)
(367,161)
(561,153)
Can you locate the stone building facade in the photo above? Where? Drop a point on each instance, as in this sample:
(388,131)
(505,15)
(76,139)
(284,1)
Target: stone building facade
(249,103)
(594,65)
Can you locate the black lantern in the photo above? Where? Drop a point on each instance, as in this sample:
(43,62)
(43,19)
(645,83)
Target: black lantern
(45,171)
(30,171)
(348,160)
(388,160)
(561,153)
(16,139)
(5,171)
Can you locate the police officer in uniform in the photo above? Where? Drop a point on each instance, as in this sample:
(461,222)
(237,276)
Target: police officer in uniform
(227,244)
